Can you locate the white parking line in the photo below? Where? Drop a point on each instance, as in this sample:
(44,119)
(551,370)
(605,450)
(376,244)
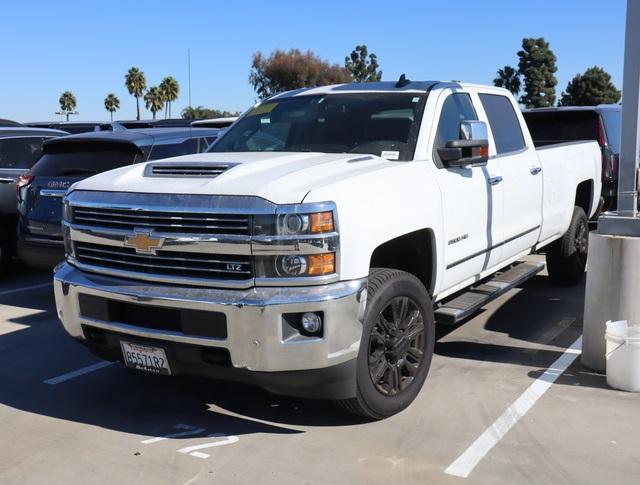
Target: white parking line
(466,462)
(25,288)
(77,373)
(192,450)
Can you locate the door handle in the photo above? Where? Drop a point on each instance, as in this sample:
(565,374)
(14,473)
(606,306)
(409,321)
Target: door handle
(6,180)
(535,170)
(495,180)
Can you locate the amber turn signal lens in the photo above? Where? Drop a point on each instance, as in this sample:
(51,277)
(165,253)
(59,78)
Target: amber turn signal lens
(322,222)
(321,264)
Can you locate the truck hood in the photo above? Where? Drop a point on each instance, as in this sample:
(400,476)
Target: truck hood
(281,177)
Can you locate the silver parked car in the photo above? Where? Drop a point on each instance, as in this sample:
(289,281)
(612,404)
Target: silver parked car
(20,148)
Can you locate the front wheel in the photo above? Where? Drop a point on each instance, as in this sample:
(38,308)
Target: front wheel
(396,347)
(567,257)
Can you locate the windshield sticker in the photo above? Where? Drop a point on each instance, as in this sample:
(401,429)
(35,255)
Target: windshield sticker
(416,99)
(262,109)
(390,154)
(265,120)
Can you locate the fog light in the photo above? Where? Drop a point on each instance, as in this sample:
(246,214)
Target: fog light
(292,265)
(311,322)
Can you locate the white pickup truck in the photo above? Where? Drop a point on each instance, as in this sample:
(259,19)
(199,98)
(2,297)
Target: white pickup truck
(313,248)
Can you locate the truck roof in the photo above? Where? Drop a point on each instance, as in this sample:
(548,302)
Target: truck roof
(381,87)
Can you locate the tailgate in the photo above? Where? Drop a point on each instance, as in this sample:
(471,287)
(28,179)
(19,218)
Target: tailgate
(43,205)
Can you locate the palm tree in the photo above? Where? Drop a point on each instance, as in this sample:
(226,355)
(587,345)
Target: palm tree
(111,104)
(136,83)
(67,103)
(154,100)
(508,78)
(170,90)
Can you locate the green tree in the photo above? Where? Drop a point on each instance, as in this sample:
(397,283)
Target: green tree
(200,112)
(154,100)
(67,102)
(537,66)
(111,104)
(589,89)
(284,71)
(362,69)
(508,78)
(136,83)
(170,90)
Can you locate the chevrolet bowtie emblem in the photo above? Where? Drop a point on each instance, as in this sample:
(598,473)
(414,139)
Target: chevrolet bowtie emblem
(144,243)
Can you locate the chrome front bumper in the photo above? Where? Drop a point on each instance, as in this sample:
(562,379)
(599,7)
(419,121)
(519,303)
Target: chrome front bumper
(254,317)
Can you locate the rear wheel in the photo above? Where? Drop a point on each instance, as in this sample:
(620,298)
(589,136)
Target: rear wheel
(396,347)
(567,257)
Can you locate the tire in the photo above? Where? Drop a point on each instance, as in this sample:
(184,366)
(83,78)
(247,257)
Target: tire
(397,305)
(567,257)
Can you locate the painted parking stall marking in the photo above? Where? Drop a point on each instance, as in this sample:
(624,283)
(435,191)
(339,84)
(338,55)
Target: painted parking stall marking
(466,462)
(77,373)
(194,450)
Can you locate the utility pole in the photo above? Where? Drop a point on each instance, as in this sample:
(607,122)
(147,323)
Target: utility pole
(613,276)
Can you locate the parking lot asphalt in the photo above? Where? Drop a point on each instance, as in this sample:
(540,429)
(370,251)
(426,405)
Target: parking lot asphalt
(491,410)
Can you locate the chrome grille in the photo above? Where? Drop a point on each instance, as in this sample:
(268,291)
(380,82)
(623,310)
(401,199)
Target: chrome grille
(163,221)
(166,263)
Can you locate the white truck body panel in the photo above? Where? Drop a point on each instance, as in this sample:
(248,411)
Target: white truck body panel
(379,200)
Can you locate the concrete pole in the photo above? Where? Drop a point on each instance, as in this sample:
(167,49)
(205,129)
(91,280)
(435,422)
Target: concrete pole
(613,277)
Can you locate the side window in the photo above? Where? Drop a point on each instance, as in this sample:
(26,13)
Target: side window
(456,108)
(507,134)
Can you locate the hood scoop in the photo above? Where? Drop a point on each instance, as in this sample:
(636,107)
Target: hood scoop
(186,169)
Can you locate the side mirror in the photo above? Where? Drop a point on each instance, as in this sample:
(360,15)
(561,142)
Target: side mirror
(471,149)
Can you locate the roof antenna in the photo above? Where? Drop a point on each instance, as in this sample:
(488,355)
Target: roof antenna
(402,82)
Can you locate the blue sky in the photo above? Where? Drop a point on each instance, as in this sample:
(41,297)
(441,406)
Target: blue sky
(87,47)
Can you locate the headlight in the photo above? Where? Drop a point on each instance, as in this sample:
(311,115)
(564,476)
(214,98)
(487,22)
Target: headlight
(294,224)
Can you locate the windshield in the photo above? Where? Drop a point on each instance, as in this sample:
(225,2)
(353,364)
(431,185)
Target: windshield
(383,124)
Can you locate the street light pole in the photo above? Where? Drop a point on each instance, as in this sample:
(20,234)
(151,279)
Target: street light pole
(613,276)
(628,170)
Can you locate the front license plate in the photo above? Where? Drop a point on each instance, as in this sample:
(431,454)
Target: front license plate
(146,358)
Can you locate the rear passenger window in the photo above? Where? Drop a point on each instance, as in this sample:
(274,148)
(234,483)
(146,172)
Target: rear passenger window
(507,134)
(174,149)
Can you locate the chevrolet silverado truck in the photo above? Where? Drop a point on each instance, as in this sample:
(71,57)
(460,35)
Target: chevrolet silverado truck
(311,250)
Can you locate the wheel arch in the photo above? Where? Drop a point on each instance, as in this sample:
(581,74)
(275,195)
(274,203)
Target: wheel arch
(414,252)
(585,197)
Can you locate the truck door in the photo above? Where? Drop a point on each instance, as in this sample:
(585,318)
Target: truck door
(471,199)
(521,176)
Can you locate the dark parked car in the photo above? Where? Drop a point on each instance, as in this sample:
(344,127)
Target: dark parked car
(600,123)
(20,147)
(164,123)
(67,160)
(72,127)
